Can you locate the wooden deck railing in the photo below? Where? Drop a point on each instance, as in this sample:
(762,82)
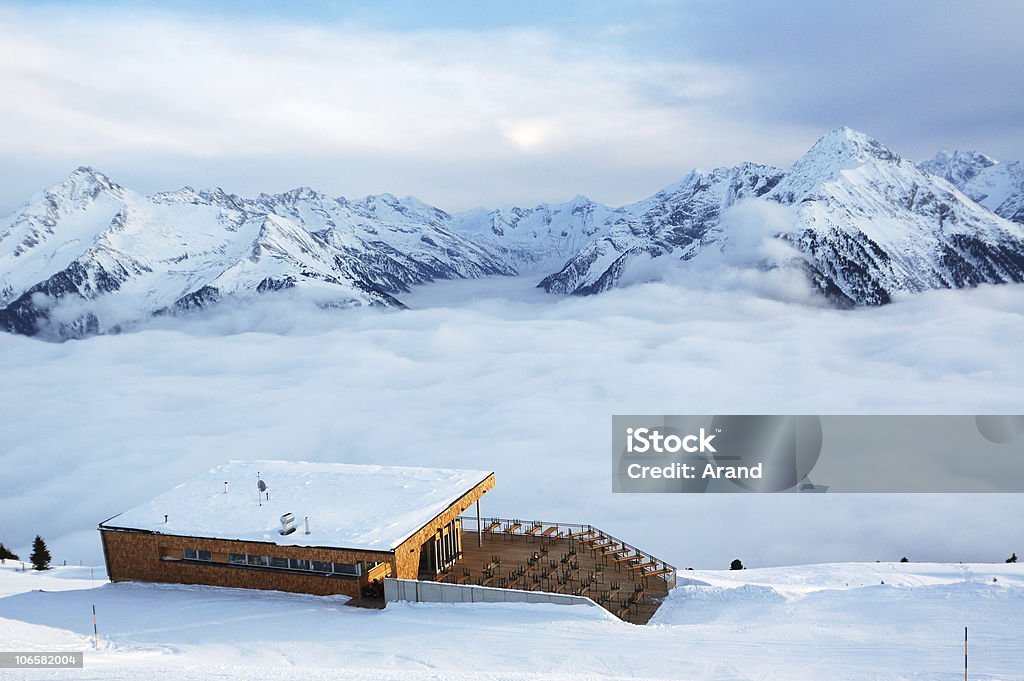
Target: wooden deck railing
(629,556)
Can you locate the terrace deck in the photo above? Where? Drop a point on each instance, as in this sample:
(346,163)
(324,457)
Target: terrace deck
(535,562)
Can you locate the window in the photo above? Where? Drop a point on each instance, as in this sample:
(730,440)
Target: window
(351,569)
(322,567)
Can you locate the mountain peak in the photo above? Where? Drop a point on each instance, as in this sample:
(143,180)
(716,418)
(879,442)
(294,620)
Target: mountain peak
(88,174)
(958,167)
(965,156)
(83,184)
(847,145)
(305,193)
(837,150)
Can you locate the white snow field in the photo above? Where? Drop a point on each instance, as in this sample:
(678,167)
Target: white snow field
(830,621)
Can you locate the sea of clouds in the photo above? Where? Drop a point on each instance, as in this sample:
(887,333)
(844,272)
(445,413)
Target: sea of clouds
(494,374)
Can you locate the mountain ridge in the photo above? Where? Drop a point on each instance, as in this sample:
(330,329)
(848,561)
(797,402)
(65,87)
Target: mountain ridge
(864,224)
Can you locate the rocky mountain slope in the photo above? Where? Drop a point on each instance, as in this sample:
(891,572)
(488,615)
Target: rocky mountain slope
(997,186)
(866,225)
(539,239)
(87,255)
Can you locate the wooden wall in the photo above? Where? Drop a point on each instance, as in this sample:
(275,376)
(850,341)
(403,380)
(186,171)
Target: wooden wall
(407,555)
(137,556)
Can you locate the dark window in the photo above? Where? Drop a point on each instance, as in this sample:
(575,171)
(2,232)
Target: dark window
(320,566)
(351,569)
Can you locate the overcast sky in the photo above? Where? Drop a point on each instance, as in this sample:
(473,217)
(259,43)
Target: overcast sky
(466,104)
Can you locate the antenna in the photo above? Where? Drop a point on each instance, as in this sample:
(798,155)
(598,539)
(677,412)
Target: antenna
(261,487)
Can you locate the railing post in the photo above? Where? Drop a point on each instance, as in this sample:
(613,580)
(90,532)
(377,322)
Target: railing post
(479,527)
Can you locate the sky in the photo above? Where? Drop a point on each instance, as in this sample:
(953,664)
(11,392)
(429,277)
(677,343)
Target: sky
(488,104)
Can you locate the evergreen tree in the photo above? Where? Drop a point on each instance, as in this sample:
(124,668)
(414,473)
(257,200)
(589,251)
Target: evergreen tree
(736,565)
(6,553)
(904,560)
(40,556)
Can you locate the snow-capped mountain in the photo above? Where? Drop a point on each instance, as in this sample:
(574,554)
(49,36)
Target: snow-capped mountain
(675,220)
(866,224)
(863,224)
(538,239)
(997,186)
(88,255)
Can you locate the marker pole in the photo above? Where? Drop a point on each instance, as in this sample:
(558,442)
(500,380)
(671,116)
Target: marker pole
(95,631)
(965,653)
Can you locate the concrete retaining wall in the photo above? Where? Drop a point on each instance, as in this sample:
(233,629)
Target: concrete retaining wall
(436,592)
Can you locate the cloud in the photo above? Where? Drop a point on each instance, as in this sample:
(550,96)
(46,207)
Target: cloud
(498,114)
(917,75)
(464,110)
(748,259)
(492,374)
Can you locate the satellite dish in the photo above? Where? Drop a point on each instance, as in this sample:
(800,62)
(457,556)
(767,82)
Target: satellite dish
(262,486)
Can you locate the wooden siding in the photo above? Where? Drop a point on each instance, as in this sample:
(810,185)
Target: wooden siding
(139,556)
(407,555)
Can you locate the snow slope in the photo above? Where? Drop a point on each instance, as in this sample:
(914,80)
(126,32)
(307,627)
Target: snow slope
(804,622)
(540,239)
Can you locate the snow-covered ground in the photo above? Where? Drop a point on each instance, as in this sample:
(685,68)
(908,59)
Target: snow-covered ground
(830,621)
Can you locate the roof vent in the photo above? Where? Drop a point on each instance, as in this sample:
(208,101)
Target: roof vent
(287,526)
(261,489)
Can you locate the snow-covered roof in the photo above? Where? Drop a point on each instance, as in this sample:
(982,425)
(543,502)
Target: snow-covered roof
(349,506)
